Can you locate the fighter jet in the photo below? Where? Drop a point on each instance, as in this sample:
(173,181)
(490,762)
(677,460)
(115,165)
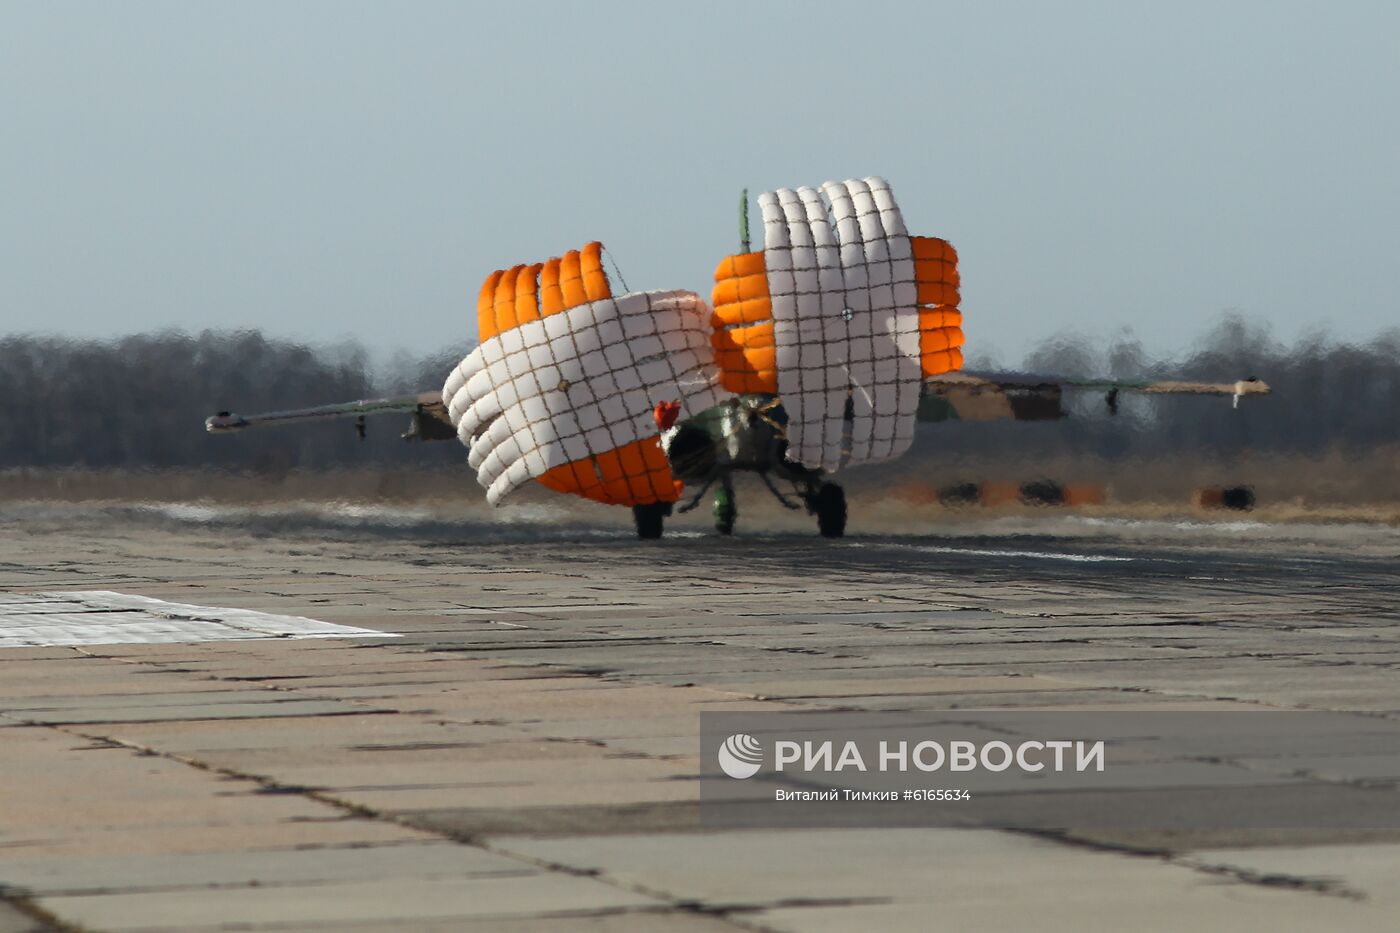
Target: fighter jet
(817,353)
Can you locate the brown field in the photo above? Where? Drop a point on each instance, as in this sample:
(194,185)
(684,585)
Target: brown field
(1288,489)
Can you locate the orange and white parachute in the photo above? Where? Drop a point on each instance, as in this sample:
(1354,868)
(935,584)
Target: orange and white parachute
(841,304)
(563,384)
(842,309)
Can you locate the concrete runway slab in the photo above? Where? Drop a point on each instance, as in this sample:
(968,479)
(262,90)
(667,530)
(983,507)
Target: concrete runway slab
(522,752)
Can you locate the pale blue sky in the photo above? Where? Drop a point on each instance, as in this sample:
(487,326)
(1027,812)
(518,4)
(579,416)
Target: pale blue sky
(329,170)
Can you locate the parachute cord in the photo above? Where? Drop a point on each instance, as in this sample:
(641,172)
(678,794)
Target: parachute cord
(779,429)
(620,280)
(762,413)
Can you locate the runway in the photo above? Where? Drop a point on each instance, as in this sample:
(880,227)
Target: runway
(503,732)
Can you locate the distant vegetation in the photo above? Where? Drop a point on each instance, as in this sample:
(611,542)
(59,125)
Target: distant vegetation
(1327,397)
(139,402)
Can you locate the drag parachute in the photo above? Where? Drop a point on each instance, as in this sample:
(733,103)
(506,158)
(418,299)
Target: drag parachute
(841,315)
(830,336)
(563,385)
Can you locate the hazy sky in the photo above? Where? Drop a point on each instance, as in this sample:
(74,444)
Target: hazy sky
(329,170)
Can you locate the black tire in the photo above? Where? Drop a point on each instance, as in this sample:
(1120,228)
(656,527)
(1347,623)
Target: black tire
(650,519)
(726,511)
(830,505)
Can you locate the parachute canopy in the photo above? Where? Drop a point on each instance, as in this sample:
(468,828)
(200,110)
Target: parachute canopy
(563,385)
(841,304)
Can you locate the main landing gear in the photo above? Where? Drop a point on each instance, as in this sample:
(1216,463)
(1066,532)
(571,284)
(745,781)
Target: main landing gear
(650,519)
(827,501)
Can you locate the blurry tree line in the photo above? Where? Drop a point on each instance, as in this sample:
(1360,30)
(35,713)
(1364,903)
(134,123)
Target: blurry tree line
(1327,397)
(140,401)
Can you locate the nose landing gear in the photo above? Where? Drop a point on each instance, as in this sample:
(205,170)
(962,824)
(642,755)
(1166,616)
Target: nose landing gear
(726,508)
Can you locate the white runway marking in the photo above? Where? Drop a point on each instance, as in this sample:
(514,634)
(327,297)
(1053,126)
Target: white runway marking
(992,552)
(100,617)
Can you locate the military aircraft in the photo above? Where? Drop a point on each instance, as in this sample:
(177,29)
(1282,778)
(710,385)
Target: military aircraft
(819,352)
(745,434)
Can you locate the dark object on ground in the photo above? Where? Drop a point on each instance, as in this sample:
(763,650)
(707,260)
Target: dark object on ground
(1239,498)
(1042,492)
(960,494)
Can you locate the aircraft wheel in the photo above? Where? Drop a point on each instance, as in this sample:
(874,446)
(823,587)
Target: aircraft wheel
(830,505)
(726,511)
(650,519)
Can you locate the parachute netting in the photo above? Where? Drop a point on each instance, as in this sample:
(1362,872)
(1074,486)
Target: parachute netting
(563,385)
(842,315)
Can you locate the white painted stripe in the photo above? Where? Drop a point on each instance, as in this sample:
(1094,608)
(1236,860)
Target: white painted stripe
(101,617)
(997,552)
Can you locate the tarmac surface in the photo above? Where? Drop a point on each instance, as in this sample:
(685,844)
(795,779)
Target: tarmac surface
(502,732)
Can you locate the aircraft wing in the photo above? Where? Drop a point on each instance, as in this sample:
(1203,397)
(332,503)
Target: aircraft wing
(430,420)
(982,396)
